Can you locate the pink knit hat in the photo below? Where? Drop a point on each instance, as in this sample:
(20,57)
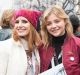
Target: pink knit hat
(32,16)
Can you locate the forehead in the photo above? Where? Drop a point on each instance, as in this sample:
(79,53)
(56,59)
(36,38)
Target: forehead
(21,18)
(52,16)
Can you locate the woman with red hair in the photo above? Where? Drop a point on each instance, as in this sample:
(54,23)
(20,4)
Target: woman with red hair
(19,55)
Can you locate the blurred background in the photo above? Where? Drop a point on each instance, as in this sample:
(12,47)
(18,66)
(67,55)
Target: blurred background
(70,6)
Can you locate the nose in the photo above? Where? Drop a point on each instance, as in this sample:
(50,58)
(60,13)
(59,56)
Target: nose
(20,23)
(54,25)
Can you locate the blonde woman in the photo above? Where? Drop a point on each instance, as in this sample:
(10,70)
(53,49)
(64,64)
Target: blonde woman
(60,46)
(19,55)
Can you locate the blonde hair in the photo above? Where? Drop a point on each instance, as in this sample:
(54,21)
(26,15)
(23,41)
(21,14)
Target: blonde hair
(33,38)
(59,12)
(6,18)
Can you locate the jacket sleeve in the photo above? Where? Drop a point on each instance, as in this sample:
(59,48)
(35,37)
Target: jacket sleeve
(72,59)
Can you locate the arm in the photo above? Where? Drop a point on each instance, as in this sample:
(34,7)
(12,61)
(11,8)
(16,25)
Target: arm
(72,61)
(3,63)
(3,60)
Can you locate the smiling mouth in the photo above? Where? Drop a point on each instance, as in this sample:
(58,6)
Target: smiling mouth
(54,30)
(20,30)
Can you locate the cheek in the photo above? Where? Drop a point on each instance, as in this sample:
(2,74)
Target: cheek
(27,25)
(15,25)
(48,28)
(28,28)
(28,31)
(63,25)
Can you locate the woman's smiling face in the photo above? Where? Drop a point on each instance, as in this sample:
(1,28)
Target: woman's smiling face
(55,25)
(22,26)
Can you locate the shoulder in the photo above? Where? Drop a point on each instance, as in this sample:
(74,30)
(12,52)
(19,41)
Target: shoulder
(76,40)
(5,34)
(5,45)
(77,44)
(6,42)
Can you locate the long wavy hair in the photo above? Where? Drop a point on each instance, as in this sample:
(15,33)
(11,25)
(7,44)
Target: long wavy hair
(33,38)
(59,12)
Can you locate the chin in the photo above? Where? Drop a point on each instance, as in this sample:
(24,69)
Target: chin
(55,35)
(21,35)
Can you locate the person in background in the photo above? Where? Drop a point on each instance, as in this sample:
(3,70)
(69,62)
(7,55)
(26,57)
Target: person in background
(76,24)
(6,25)
(19,54)
(0,27)
(60,45)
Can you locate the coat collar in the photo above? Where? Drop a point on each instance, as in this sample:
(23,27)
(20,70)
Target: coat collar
(21,43)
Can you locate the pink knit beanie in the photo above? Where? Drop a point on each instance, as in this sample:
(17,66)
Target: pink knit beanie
(30,15)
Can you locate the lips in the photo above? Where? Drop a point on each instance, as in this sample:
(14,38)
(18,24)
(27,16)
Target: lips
(54,30)
(21,29)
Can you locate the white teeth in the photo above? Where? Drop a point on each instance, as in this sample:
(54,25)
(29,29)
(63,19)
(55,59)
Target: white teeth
(21,28)
(54,30)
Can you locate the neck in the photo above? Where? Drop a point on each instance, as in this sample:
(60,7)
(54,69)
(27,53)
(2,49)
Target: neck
(59,40)
(24,43)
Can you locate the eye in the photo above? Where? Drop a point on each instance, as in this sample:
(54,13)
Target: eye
(24,21)
(48,23)
(17,21)
(57,21)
